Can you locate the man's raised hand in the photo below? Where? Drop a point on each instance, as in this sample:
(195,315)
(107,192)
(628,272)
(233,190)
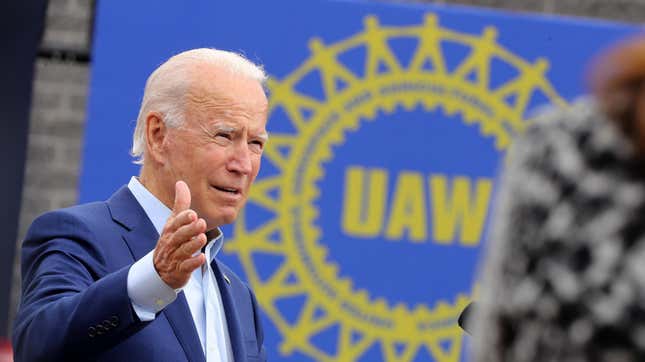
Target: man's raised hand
(176,254)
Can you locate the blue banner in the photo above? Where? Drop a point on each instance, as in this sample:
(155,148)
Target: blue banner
(388,125)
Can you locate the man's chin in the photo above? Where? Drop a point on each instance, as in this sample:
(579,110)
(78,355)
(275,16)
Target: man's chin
(229,219)
(222,219)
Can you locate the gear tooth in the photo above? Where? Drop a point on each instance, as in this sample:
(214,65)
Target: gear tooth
(468,117)
(362,295)
(324,252)
(451,109)
(381,305)
(408,104)
(441,308)
(427,105)
(333,269)
(370,22)
(486,127)
(324,154)
(462,299)
(316,45)
(386,106)
(316,250)
(306,212)
(315,172)
(345,285)
(327,270)
(336,138)
(422,310)
(490,33)
(430,20)
(400,308)
(315,234)
(542,65)
(350,284)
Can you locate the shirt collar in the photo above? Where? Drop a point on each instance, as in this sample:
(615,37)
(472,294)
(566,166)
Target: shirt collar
(158,213)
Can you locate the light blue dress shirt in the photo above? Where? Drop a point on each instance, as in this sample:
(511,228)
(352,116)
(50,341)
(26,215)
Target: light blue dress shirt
(149,294)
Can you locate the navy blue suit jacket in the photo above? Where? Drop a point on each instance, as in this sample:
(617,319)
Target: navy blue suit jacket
(75,305)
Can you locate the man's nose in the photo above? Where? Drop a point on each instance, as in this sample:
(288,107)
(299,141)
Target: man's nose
(241,159)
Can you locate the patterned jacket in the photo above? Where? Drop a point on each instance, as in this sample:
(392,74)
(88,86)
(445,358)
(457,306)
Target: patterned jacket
(564,275)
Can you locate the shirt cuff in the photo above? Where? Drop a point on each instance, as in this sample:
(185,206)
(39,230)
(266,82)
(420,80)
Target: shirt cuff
(148,293)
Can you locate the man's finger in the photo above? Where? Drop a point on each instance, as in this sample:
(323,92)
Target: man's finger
(186,232)
(190,264)
(180,219)
(182,197)
(190,247)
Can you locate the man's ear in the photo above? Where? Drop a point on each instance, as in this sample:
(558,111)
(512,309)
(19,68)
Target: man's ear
(156,132)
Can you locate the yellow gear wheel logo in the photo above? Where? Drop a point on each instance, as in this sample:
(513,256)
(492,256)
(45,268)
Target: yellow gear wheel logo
(290,196)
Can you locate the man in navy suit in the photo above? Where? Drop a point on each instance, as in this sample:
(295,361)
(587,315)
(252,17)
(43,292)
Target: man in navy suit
(135,278)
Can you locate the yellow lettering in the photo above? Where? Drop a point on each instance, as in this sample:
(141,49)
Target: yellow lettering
(364,206)
(449,212)
(458,207)
(408,210)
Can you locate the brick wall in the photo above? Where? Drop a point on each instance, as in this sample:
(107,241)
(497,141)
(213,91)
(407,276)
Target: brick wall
(621,10)
(57,118)
(60,91)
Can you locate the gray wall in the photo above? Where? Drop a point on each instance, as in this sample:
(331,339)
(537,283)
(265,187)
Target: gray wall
(57,118)
(621,10)
(60,92)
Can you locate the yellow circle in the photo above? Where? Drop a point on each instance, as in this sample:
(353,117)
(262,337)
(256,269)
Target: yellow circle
(291,233)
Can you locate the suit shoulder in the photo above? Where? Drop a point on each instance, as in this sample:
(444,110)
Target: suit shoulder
(75,218)
(82,212)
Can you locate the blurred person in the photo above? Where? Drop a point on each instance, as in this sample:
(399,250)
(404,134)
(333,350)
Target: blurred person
(135,278)
(564,277)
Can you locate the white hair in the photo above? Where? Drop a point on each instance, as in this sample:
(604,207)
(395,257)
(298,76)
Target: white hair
(167,86)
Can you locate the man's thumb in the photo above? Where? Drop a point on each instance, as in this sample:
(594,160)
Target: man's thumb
(182,197)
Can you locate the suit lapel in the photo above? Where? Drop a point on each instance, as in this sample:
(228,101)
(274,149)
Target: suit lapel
(234,329)
(181,320)
(141,237)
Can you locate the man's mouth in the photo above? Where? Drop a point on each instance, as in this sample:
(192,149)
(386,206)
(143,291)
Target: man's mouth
(231,190)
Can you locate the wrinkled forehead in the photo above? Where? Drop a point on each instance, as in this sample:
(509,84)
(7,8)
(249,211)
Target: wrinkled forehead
(227,97)
(219,79)
(228,113)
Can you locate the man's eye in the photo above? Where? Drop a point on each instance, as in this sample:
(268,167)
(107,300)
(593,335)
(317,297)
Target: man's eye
(256,146)
(223,136)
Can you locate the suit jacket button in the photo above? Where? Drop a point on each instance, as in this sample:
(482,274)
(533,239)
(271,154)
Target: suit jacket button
(106,324)
(114,321)
(100,329)
(91,332)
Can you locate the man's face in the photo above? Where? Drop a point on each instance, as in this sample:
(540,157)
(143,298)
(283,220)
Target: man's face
(217,149)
